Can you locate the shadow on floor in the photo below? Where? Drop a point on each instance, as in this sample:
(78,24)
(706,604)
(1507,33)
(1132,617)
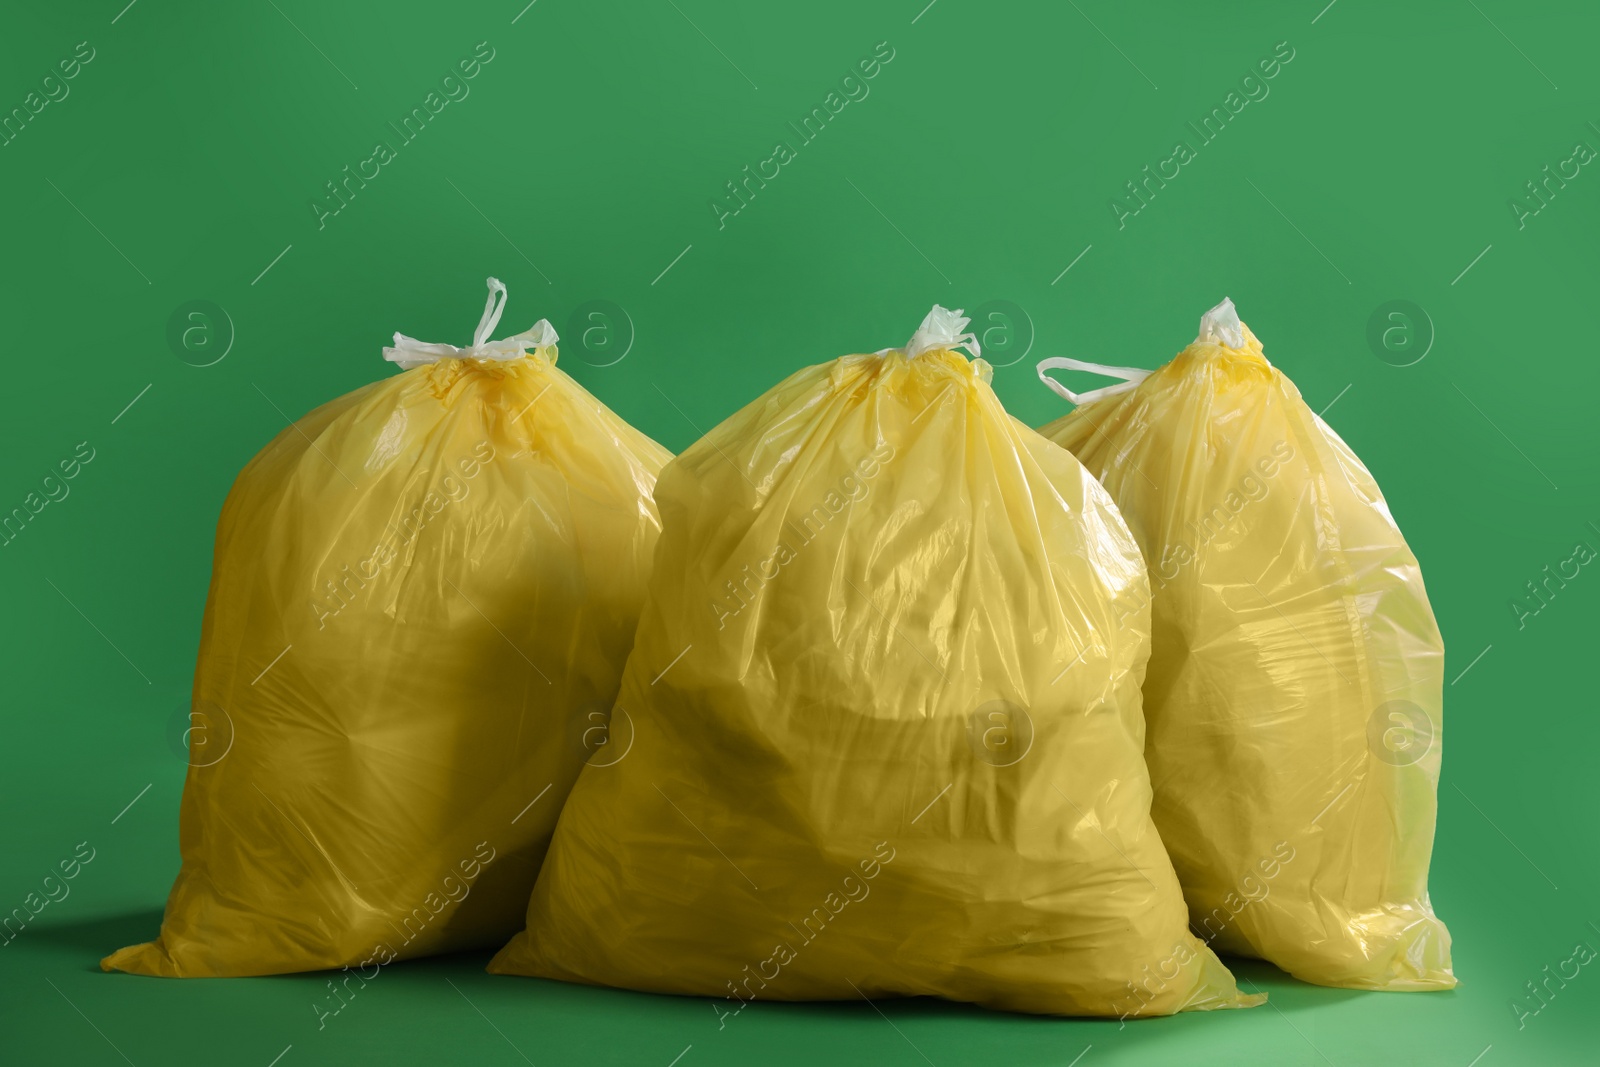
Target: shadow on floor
(87,941)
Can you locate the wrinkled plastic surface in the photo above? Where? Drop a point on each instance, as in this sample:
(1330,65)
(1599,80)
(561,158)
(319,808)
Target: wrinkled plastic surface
(885,730)
(1295,683)
(423,596)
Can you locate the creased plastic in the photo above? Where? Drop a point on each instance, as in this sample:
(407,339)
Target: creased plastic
(1294,694)
(422,599)
(884,719)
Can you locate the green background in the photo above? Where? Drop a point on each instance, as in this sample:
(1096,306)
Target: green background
(581,168)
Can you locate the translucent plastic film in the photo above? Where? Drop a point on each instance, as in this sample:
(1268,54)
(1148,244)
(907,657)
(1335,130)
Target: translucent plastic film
(884,723)
(423,596)
(1294,692)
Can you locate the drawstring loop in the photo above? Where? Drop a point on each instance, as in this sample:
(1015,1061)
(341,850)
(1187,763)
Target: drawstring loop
(408,352)
(941,329)
(1220,326)
(1131,377)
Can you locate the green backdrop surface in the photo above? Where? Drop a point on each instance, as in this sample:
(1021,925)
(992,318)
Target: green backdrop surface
(1405,212)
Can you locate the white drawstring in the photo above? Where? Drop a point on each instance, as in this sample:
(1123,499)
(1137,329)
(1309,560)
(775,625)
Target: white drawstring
(1131,376)
(491,312)
(408,352)
(941,329)
(1221,325)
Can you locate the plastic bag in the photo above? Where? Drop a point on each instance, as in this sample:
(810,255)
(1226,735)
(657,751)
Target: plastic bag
(1295,684)
(422,599)
(885,735)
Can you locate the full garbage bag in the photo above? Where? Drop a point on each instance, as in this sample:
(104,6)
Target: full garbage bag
(880,731)
(422,599)
(1294,692)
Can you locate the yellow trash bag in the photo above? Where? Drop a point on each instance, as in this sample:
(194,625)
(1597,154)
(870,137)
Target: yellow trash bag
(422,599)
(884,731)
(1295,683)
